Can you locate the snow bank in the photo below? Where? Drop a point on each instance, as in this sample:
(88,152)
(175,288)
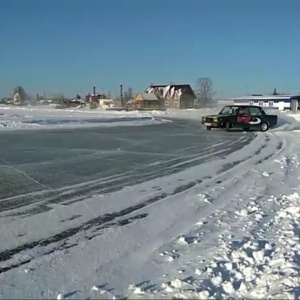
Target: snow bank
(252,268)
(41,116)
(286,121)
(249,250)
(47,118)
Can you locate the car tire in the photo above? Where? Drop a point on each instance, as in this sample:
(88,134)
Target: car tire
(246,129)
(208,127)
(227,126)
(264,126)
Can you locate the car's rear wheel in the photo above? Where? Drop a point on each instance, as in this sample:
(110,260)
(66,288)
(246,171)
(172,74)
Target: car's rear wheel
(264,126)
(208,127)
(227,127)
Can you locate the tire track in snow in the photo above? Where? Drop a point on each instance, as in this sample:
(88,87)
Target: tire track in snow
(273,151)
(212,230)
(82,192)
(96,224)
(94,227)
(228,182)
(103,222)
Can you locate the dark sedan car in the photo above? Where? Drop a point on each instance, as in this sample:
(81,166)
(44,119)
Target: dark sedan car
(245,117)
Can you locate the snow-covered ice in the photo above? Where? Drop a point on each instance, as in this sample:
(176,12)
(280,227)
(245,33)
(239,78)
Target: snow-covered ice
(47,117)
(233,234)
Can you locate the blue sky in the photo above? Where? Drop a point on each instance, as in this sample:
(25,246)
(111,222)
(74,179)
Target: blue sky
(69,46)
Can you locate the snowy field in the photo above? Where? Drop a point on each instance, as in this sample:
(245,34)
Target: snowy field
(227,227)
(45,117)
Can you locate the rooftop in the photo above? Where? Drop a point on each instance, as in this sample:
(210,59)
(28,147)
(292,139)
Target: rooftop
(176,86)
(148,96)
(265,97)
(165,88)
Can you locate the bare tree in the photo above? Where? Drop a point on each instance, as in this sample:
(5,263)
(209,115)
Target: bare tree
(204,90)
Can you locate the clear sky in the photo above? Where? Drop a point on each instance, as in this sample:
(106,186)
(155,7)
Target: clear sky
(69,46)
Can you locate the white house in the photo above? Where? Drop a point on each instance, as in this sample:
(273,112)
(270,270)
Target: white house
(17,98)
(278,102)
(106,103)
(173,95)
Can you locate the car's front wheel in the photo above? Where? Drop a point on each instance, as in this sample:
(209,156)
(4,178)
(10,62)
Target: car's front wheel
(227,127)
(264,126)
(208,127)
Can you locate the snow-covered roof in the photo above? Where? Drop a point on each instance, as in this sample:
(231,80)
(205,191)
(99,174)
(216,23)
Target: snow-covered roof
(170,91)
(149,96)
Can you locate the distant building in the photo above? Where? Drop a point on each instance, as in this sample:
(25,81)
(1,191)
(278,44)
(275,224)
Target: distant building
(146,101)
(99,101)
(94,98)
(278,102)
(173,95)
(17,98)
(106,103)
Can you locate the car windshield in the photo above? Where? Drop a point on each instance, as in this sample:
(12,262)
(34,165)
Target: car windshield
(228,110)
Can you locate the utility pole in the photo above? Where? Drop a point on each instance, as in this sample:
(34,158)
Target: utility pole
(121,94)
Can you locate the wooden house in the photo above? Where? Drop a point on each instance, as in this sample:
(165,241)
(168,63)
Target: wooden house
(179,96)
(146,101)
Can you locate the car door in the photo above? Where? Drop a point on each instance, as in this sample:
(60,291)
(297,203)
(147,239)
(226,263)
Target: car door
(256,116)
(243,117)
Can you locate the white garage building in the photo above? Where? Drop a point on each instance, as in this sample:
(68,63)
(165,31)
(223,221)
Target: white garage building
(279,102)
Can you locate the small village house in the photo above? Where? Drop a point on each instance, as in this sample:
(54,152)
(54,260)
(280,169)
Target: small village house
(179,96)
(95,97)
(96,100)
(99,101)
(17,98)
(106,103)
(146,101)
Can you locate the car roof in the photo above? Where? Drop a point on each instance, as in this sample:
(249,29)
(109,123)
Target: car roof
(243,106)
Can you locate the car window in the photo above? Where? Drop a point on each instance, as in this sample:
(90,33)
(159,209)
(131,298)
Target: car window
(244,111)
(254,111)
(226,110)
(234,110)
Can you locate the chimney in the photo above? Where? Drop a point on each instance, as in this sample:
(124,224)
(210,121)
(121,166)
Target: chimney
(94,90)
